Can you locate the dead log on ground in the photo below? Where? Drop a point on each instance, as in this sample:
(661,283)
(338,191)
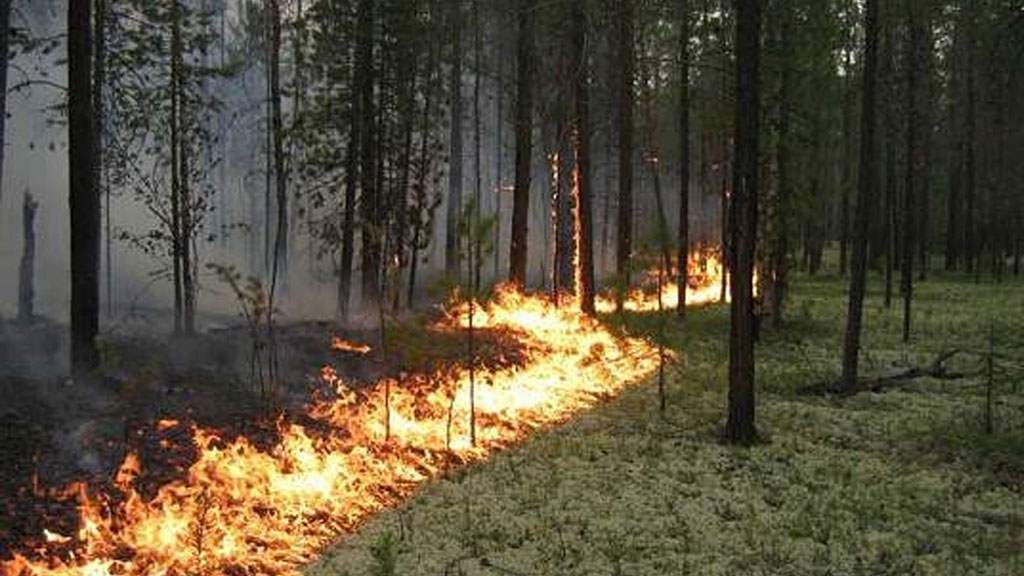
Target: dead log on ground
(937,369)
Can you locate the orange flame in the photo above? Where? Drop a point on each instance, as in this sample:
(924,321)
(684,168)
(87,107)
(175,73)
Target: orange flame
(241,510)
(346,346)
(705,273)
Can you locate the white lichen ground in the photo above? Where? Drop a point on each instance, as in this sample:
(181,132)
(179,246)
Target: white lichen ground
(900,483)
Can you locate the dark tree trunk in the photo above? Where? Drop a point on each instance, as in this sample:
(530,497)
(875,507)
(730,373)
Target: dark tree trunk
(499,152)
(348,218)
(83,196)
(177,239)
(954,203)
(99,114)
(909,207)
(865,199)
(563,209)
(26,272)
(5,28)
(280,263)
(370,201)
(451,246)
(624,126)
(780,249)
(847,185)
(970,192)
(524,142)
(584,190)
(683,248)
(740,427)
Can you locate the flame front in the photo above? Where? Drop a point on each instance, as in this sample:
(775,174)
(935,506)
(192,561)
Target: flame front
(706,275)
(241,510)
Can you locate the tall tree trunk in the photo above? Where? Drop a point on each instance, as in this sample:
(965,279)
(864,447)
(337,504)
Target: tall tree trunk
(99,114)
(624,126)
(524,143)
(348,217)
(865,199)
(84,198)
(683,247)
(478,263)
(583,187)
(499,151)
(451,253)
(970,192)
(177,238)
(280,262)
(913,168)
(26,272)
(779,252)
(847,185)
(5,30)
(740,427)
(369,202)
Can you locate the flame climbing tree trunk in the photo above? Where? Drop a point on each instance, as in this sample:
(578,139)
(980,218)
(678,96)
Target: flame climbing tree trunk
(83,195)
(624,126)
(524,141)
(865,199)
(743,224)
(584,189)
(683,249)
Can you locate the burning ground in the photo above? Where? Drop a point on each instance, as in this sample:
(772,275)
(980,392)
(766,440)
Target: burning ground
(264,502)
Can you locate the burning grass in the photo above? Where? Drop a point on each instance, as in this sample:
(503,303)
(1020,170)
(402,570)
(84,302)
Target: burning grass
(241,509)
(904,482)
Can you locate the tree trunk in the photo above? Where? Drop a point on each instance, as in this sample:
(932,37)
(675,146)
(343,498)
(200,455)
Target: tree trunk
(865,200)
(683,247)
(83,196)
(499,152)
(779,252)
(970,242)
(524,143)
(348,218)
(177,239)
(583,187)
(740,427)
(624,126)
(913,167)
(369,202)
(5,28)
(99,114)
(451,254)
(847,185)
(280,263)
(26,272)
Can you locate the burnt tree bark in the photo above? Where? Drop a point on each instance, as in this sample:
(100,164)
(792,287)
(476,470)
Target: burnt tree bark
(83,196)
(740,428)
(26,271)
(369,201)
(624,126)
(865,200)
(583,187)
(683,247)
(524,142)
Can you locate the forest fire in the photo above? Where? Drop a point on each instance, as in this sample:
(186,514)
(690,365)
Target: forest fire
(242,510)
(704,287)
(342,345)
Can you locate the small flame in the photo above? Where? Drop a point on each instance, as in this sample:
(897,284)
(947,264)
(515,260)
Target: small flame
(342,345)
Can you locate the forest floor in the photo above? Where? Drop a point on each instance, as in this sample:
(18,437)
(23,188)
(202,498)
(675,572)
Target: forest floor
(904,481)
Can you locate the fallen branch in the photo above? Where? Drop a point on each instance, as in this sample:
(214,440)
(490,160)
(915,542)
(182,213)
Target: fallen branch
(937,369)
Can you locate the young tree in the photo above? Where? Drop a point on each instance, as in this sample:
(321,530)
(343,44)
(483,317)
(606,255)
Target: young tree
(740,427)
(865,200)
(84,197)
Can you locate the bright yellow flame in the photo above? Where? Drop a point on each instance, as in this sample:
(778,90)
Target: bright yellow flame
(241,510)
(346,346)
(706,274)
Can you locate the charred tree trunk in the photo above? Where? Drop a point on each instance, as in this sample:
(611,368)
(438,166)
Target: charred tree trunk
(177,239)
(5,30)
(740,427)
(624,126)
(369,201)
(99,114)
(524,143)
(865,200)
(280,262)
(583,187)
(348,218)
(84,198)
(451,253)
(683,248)
(26,272)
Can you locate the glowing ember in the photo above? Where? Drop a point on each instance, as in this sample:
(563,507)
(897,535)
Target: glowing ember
(246,511)
(346,346)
